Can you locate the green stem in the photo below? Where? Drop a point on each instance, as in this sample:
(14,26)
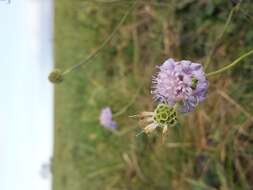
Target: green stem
(235,62)
(125,108)
(229,19)
(108,39)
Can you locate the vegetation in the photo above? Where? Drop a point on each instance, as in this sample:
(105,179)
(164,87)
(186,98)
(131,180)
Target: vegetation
(213,147)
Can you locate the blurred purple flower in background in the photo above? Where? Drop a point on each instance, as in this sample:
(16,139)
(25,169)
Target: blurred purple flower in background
(181,82)
(106,118)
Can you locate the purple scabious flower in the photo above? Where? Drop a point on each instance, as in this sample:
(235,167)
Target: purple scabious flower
(181,82)
(106,118)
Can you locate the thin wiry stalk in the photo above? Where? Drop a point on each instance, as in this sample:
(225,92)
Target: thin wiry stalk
(235,62)
(124,109)
(229,19)
(107,40)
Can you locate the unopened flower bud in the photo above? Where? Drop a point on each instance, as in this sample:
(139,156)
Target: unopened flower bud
(55,76)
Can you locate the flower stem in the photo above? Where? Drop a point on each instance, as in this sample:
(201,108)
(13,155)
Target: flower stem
(108,39)
(235,62)
(212,51)
(125,108)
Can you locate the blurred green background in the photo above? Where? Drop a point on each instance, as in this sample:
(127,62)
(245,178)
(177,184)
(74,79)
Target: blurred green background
(213,147)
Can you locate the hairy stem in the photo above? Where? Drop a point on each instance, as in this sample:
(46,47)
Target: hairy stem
(229,19)
(108,39)
(235,62)
(125,108)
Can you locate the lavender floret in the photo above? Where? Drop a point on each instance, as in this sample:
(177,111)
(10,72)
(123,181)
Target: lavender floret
(106,118)
(181,82)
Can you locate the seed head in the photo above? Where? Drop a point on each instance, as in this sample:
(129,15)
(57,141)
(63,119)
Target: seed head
(164,116)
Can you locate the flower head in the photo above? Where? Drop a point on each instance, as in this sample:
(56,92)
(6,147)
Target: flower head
(55,76)
(164,116)
(181,82)
(106,118)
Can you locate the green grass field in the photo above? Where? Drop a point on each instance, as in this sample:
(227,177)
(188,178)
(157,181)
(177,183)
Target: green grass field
(213,147)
